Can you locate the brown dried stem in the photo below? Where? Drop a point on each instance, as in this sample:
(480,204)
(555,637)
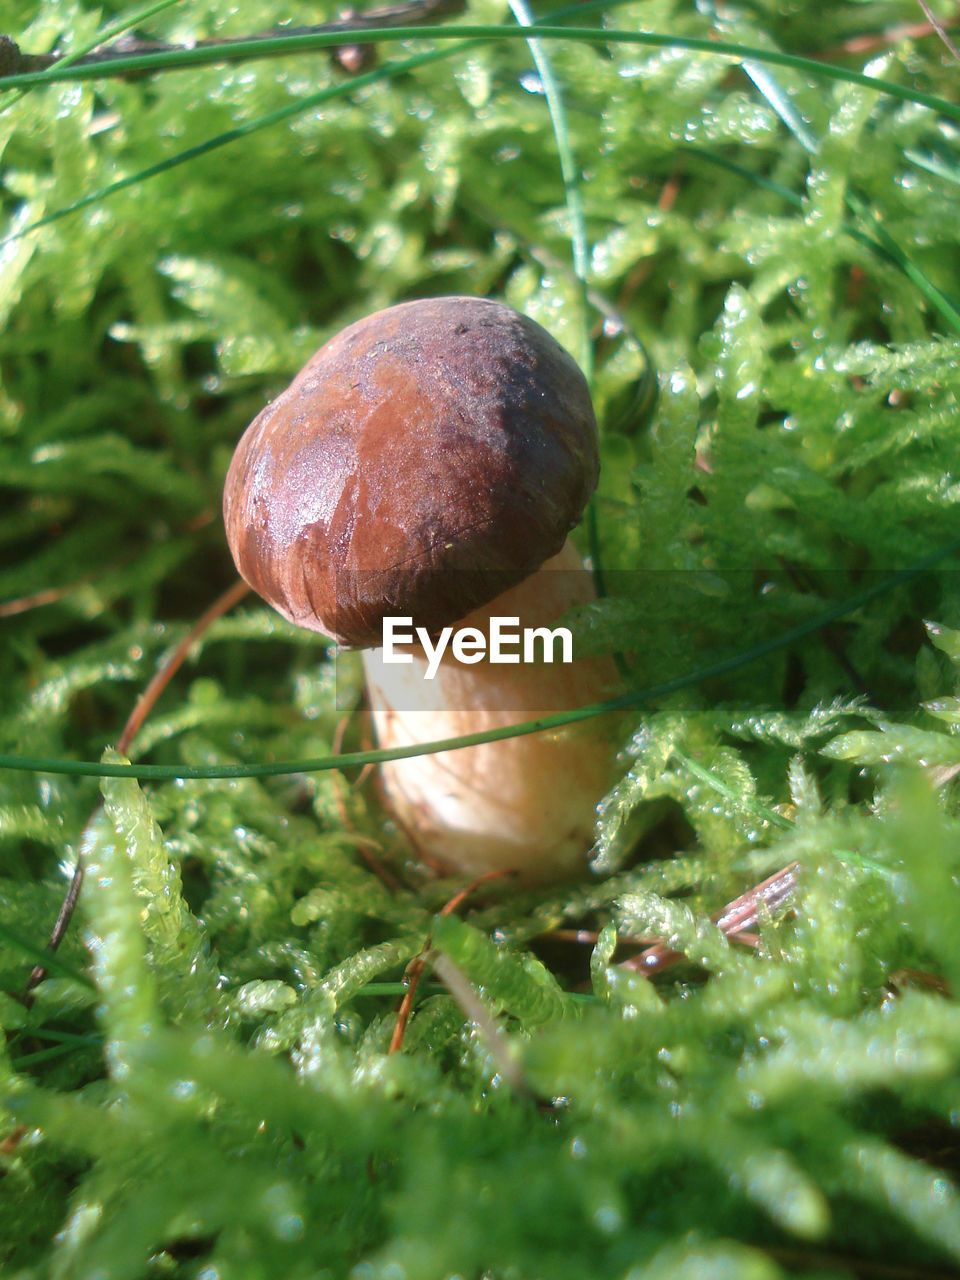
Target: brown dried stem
(142,708)
(418,963)
(13,61)
(736,920)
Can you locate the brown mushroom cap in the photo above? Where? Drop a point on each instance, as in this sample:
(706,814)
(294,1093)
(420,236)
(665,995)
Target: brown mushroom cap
(426,459)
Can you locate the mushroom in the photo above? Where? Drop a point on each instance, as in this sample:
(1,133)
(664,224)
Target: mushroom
(428,464)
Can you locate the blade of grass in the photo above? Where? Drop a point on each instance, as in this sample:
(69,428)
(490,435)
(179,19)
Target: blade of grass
(579,245)
(939,28)
(707,776)
(275,46)
(781,102)
(242,131)
(109,32)
(626,701)
(783,105)
(889,252)
(468,37)
(934,164)
(569,172)
(60,1037)
(33,952)
(941,303)
(289,112)
(56,1051)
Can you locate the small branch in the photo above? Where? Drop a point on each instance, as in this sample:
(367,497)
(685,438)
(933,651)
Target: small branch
(50,595)
(939,28)
(869,42)
(412,978)
(142,708)
(145,703)
(460,987)
(14,62)
(736,920)
(417,964)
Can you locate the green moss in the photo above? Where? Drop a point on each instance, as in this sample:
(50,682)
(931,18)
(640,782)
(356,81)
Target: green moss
(203,1087)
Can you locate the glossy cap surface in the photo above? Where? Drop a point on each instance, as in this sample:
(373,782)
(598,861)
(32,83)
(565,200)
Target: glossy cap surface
(425,459)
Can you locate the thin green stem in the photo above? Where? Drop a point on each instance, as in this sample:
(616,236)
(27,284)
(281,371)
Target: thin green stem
(56,964)
(105,34)
(884,245)
(627,701)
(882,241)
(945,307)
(274,46)
(57,1051)
(569,171)
(289,112)
(477,35)
(710,779)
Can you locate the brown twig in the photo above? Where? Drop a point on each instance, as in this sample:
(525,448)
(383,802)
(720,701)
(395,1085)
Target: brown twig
(373,854)
(13,1139)
(939,28)
(142,708)
(412,976)
(870,41)
(644,267)
(736,920)
(458,899)
(580,937)
(460,987)
(50,595)
(418,963)
(145,703)
(904,978)
(353,58)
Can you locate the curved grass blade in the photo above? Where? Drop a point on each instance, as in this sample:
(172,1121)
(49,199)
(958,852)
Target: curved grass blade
(934,164)
(467,37)
(109,32)
(882,240)
(625,702)
(289,112)
(889,252)
(275,46)
(52,961)
(568,171)
(945,307)
(783,104)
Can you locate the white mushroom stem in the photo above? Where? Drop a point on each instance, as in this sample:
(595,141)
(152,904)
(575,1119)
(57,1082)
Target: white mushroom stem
(527,804)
